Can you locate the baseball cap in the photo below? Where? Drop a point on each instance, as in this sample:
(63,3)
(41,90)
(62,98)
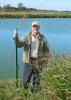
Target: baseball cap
(35,23)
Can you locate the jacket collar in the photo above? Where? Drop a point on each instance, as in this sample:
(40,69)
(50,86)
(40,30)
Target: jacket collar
(38,36)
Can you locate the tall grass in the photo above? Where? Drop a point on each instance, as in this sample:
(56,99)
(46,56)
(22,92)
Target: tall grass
(55,83)
(34,14)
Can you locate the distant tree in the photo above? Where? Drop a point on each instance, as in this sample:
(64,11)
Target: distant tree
(33,9)
(7,6)
(20,5)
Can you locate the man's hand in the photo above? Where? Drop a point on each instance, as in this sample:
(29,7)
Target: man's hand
(15,35)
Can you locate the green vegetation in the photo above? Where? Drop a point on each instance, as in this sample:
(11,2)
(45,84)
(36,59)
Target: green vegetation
(34,14)
(55,83)
(17,12)
(11,12)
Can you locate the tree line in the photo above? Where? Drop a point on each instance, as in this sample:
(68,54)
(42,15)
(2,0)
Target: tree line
(20,6)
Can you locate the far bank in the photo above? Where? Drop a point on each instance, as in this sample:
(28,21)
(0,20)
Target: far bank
(35,14)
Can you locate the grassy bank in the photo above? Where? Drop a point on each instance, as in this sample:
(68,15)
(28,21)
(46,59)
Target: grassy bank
(34,14)
(55,83)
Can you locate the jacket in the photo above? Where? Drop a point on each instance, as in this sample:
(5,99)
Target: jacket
(43,50)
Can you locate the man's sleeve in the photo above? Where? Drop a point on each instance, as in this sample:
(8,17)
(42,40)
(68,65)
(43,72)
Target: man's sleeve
(45,46)
(20,43)
(45,51)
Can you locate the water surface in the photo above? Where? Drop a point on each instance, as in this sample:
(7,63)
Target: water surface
(56,30)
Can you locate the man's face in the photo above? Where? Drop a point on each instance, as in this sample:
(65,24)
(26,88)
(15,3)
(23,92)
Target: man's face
(35,29)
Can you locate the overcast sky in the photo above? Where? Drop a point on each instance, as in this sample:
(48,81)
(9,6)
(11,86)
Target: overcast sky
(40,4)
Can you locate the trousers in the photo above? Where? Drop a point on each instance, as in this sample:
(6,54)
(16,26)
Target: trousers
(29,73)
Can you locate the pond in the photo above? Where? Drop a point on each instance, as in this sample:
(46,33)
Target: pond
(56,30)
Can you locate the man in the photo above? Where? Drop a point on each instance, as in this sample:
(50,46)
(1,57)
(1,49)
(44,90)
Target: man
(35,55)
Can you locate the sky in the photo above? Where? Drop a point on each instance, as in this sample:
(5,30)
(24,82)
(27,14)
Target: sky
(61,5)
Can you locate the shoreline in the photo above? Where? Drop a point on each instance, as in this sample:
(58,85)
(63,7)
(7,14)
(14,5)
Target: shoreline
(55,83)
(35,14)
